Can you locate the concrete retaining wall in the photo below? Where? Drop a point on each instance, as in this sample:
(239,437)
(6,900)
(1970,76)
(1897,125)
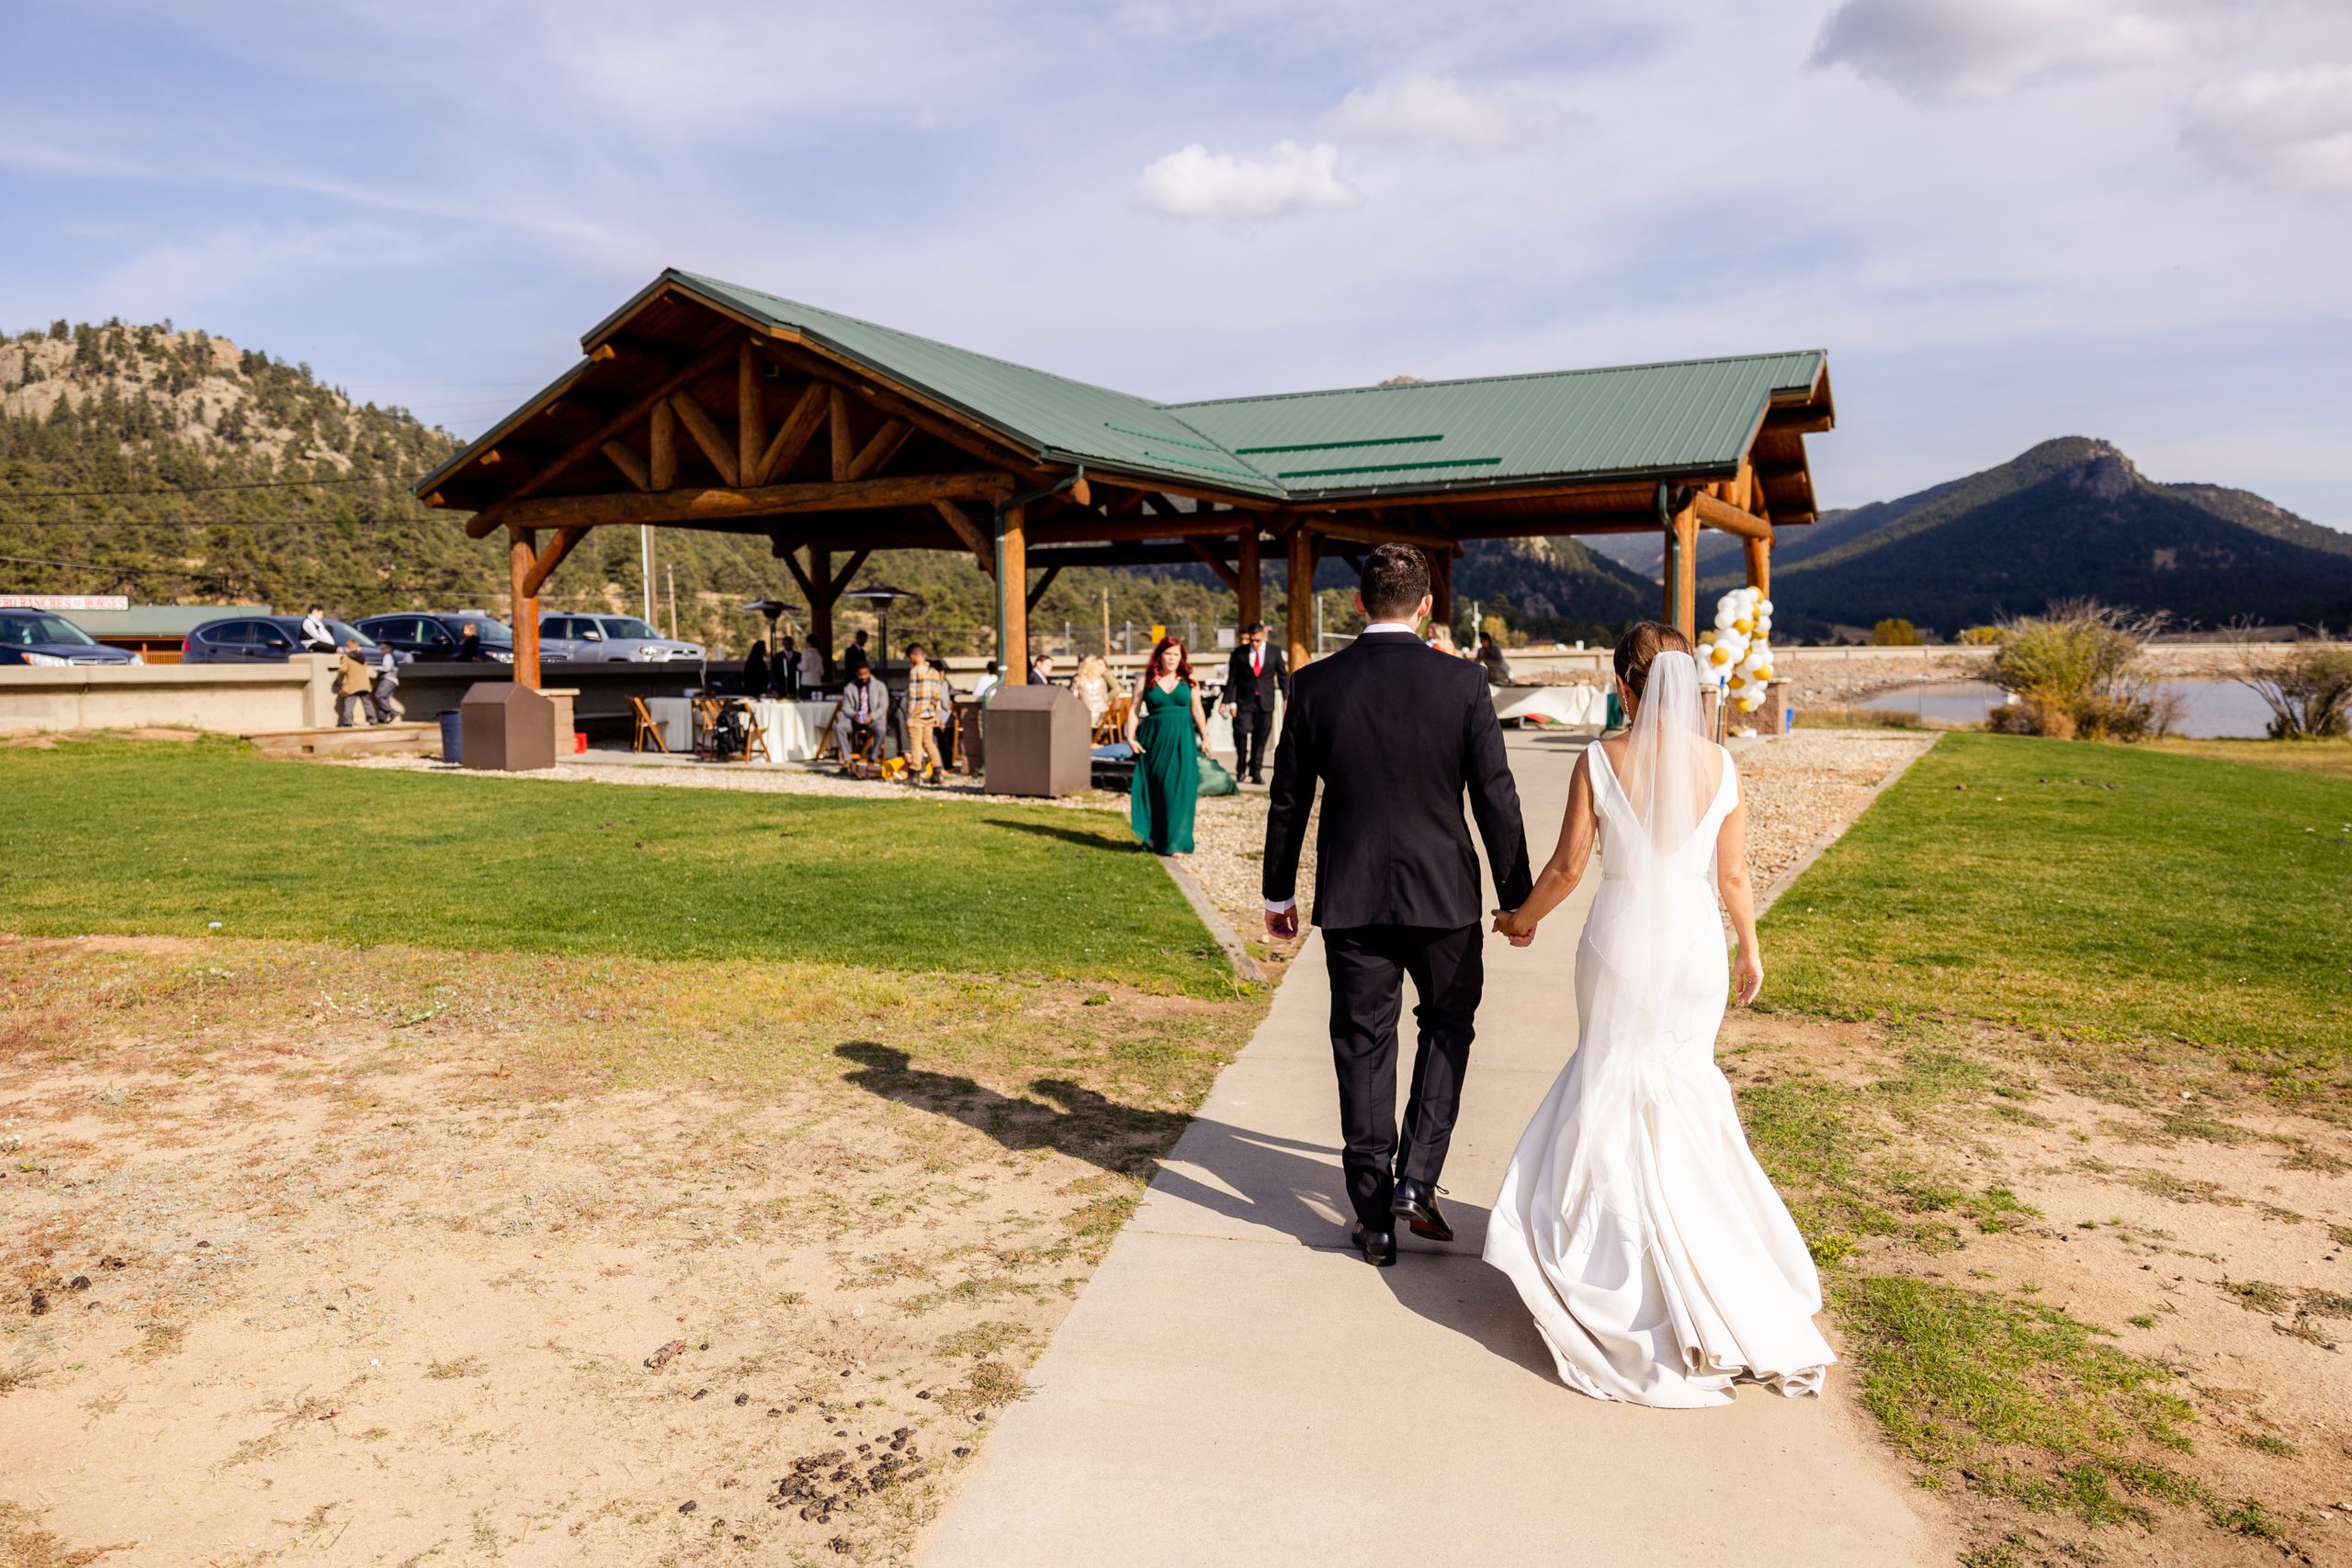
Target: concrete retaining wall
(228,699)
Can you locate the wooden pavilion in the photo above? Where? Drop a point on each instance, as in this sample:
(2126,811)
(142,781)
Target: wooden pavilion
(702,404)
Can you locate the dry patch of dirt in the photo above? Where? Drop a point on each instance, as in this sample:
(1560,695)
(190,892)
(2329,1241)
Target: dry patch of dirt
(2194,1222)
(408,1257)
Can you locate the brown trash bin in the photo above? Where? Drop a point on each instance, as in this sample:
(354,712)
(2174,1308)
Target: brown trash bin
(1039,741)
(503,727)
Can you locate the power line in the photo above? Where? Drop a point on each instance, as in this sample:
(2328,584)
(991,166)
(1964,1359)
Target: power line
(190,490)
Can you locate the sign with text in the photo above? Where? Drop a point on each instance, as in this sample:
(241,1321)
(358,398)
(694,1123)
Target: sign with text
(64,602)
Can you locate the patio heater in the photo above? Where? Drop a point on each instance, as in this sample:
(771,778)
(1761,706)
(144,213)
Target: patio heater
(881,596)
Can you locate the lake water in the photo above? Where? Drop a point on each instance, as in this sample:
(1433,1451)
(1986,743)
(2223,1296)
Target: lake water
(2208,709)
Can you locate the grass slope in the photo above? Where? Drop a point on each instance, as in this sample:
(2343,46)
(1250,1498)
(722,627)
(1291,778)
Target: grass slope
(117,836)
(2088,890)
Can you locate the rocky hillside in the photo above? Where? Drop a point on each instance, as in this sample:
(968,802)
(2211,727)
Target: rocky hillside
(2070,518)
(177,467)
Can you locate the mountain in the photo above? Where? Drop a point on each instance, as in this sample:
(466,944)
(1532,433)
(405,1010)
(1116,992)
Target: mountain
(2069,518)
(174,466)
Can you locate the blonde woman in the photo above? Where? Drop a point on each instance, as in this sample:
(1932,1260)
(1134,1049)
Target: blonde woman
(1092,684)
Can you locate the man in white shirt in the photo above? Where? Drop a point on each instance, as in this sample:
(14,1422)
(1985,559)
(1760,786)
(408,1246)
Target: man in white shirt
(316,639)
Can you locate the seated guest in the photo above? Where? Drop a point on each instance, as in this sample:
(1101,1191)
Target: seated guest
(1491,655)
(756,670)
(864,715)
(989,682)
(1092,684)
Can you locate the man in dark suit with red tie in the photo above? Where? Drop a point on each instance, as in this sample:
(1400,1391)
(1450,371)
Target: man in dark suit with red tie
(1251,680)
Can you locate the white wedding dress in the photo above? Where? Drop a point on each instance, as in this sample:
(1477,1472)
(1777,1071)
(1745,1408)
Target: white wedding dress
(1659,1262)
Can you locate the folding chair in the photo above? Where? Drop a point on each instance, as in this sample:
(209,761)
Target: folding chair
(645,729)
(756,735)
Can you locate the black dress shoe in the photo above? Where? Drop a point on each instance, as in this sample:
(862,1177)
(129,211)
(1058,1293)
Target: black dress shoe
(1416,1205)
(1379,1247)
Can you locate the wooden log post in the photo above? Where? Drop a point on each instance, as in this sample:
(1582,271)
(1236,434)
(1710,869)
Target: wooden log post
(521,554)
(1442,590)
(1251,593)
(1759,566)
(820,600)
(1298,594)
(1686,571)
(1013,595)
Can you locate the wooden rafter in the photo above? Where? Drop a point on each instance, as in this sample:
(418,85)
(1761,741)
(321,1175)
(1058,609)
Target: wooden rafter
(1037,588)
(751,414)
(690,506)
(937,423)
(1216,563)
(842,579)
(844,452)
(631,465)
(482,523)
(545,561)
(1716,512)
(792,437)
(975,539)
(707,435)
(880,449)
(664,446)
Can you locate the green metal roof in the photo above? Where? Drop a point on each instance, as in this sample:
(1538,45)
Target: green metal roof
(1635,422)
(1630,421)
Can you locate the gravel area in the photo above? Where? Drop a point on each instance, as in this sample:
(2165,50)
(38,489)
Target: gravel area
(1800,788)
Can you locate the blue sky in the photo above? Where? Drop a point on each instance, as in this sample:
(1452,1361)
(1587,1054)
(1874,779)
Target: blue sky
(2005,220)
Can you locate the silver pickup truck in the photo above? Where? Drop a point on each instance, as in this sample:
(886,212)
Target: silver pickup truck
(610,639)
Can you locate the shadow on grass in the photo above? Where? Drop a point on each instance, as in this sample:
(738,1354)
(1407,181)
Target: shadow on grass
(1263,1181)
(1082,839)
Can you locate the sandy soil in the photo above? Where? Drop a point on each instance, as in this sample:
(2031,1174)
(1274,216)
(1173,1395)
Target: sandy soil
(281,1284)
(2208,1227)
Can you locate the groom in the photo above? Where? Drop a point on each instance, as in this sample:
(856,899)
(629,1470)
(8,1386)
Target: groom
(1394,731)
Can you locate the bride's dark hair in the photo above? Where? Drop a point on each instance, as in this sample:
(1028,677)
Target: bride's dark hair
(1638,647)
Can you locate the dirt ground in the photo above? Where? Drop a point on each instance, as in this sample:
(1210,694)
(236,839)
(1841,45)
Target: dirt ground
(2207,1226)
(298,1270)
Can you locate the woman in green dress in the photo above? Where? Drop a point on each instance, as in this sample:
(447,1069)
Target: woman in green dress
(1162,718)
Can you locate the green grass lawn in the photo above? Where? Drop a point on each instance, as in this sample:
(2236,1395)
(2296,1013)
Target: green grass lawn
(2104,892)
(130,837)
(2330,758)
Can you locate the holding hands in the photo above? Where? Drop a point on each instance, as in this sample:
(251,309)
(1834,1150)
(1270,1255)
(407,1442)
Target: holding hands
(1515,925)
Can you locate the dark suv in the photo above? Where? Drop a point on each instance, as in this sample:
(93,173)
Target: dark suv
(258,639)
(36,637)
(437,638)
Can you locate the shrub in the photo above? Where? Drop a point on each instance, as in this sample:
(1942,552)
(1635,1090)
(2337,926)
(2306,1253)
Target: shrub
(2307,686)
(2078,671)
(1979,637)
(1896,633)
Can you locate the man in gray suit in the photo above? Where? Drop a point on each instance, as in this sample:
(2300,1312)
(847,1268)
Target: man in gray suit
(865,713)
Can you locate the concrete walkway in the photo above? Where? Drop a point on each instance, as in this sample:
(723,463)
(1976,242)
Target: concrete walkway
(1235,1386)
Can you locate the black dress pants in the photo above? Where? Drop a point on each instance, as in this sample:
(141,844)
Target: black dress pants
(1251,725)
(1368,965)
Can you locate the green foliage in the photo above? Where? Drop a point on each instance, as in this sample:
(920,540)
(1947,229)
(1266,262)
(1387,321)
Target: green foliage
(2077,672)
(2308,687)
(2095,891)
(326,853)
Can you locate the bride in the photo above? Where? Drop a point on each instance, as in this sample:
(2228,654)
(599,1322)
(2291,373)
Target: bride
(1657,1260)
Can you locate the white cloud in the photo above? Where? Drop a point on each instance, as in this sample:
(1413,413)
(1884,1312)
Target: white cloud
(1287,177)
(2290,129)
(1440,111)
(1982,48)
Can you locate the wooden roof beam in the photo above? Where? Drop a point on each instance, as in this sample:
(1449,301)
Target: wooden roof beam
(481,523)
(1713,511)
(690,506)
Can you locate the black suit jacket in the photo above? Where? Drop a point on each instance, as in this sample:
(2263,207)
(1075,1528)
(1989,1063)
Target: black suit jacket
(1244,689)
(1394,731)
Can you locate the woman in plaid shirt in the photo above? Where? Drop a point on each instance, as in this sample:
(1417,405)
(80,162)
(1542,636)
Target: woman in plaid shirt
(928,712)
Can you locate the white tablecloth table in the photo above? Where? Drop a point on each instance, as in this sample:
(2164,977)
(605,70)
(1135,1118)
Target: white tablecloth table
(674,717)
(794,729)
(1554,704)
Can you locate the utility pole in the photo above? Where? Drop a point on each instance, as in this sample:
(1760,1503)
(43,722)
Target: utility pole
(1318,625)
(1106,623)
(645,547)
(672,572)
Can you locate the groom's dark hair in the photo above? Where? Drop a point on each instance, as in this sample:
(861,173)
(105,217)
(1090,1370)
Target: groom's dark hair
(1396,580)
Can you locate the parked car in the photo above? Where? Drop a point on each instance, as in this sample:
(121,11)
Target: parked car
(610,639)
(36,637)
(433,636)
(258,639)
